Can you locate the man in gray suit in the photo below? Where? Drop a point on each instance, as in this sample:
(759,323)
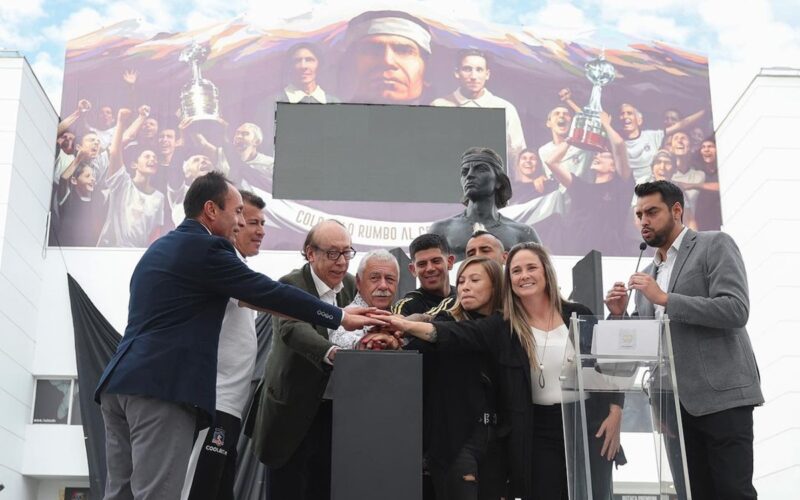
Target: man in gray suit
(698,279)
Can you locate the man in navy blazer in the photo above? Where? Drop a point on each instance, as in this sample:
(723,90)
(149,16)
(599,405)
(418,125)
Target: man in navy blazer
(161,381)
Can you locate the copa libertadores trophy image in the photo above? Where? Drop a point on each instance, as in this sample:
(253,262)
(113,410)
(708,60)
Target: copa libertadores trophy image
(199,97)
(587,130)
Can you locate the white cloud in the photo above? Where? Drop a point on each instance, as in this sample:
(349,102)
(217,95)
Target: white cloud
(51,77)
(12,38)
(747,38)
(158,13)
(207,12)
(650,27)
(558,19)
(614,9)
(270,14)
(152,14)
(264,14)
(462,9)
(12,11)
(13,14)
(76,24)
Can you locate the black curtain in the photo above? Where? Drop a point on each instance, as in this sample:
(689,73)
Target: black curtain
(95,344)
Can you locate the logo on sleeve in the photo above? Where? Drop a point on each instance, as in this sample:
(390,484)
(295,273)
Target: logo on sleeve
(219,437)
(324,315)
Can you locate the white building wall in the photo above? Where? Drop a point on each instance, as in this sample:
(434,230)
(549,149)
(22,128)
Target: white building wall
(760,188)
(27,128)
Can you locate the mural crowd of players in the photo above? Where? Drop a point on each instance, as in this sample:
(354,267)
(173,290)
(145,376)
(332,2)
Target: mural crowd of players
(126,156)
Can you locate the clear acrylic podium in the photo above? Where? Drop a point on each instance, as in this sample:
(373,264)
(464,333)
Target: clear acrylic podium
(626,362)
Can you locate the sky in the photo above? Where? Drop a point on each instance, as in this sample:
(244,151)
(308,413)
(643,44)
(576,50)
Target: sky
(739,37)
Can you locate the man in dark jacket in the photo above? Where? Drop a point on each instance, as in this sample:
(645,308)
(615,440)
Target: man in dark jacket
(292,432)
(163,375)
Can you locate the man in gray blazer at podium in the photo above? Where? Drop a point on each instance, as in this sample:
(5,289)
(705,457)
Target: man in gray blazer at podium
(698,279)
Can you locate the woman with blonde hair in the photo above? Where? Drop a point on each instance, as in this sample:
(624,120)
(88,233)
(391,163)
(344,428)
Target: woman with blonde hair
(527,342)
(464,453)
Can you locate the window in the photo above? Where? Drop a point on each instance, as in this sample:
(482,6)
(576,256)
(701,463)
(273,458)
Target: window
(75,412)
(56,402)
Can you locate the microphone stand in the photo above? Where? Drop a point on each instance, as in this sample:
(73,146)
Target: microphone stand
(642,248)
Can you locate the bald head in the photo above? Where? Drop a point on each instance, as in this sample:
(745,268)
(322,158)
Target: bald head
(486,245)
(326,239)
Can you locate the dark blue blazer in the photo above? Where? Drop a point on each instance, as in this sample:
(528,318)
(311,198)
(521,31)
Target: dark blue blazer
(178,294)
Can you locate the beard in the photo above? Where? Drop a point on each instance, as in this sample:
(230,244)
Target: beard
(658,238)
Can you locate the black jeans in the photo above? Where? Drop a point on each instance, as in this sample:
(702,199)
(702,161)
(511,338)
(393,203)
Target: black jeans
(549,465)
(481,457)
(719,455)
(549,470)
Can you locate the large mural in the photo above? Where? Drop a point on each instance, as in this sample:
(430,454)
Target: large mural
(143,115)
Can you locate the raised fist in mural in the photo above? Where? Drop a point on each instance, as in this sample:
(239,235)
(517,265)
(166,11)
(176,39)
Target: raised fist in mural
(124,115)
(84,105)
(130,76)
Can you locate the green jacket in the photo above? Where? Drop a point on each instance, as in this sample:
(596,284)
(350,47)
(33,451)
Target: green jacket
(294,378)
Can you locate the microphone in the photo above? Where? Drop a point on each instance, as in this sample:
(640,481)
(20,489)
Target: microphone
(642,248)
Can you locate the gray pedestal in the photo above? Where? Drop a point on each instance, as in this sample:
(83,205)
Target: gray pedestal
(377,426)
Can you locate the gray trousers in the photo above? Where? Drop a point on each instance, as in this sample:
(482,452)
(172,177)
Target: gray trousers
(148,444)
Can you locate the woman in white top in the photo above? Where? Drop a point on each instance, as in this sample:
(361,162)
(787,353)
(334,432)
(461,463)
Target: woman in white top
(527,342)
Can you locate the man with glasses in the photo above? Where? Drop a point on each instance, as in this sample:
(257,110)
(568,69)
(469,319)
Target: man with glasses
(292,432)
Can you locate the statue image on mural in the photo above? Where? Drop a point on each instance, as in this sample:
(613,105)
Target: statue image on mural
(145,114)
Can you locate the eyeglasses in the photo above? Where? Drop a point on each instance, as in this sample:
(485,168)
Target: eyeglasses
(335,254)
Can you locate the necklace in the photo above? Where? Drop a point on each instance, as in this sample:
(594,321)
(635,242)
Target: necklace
(540,359)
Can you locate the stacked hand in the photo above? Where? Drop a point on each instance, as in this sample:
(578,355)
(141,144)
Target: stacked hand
(359,317)
(389,336)
(378,341)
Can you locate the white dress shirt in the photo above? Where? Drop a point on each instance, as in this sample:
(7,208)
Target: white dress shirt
(515,138)
(295,94)
(236,356)
(664,268)
(551,347)
(349,339)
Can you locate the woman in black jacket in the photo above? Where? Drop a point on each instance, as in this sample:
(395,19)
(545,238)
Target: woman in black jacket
(527,342)
(464,454)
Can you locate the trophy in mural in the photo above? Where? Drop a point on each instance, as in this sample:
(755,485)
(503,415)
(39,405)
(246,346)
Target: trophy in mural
(199,97)
(587,131)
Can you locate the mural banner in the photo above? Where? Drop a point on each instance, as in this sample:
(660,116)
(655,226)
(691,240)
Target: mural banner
(145,114)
